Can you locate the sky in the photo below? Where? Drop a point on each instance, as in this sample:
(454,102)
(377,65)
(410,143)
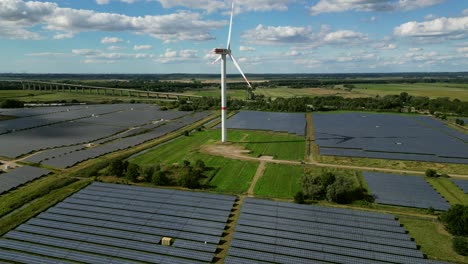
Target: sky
(269,36)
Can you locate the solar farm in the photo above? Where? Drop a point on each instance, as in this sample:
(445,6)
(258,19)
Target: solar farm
(388,136)
(20,176)
(293,123)
(403,190)
(109,223)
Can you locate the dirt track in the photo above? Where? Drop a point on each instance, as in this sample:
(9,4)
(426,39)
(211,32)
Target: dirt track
(240,153)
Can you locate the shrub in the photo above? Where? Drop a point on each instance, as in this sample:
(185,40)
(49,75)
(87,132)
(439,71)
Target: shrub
(11,103)
(456,220)
(342,190)
(460,245)
(160,178)
(117,168)
(299,197)
(133,172)
(431,173)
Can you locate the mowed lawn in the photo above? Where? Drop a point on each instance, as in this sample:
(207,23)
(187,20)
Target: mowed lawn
(449,190)
(279,181)
(279,145)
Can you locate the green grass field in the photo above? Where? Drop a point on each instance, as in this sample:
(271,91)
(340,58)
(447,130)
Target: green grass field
(432,90)
(280,146)
(449,191)
(435,242)
(279,181)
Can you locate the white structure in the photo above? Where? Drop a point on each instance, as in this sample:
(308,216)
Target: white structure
(223,55)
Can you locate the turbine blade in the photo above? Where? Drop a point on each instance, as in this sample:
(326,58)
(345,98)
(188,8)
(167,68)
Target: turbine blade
(240,70)
(216,61)
(230,27)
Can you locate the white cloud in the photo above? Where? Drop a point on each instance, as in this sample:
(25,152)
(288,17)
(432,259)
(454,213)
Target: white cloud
(415,49)
(105,2)
(182,56)
(240,5)
(454,28)
(332,6)
(47,54)
(385,46)
(465,12)
(18,16)
(463,50)
(278,35)
(98,56)
(345,37)
(114,48)
(293,53)
(64,35)
(142,47)
(247,49)
(111,40)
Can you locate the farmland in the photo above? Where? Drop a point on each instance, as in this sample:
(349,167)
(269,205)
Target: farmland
(279,181)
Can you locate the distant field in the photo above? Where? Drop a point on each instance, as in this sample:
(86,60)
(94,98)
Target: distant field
(432,90)
(47,96)
(280,181)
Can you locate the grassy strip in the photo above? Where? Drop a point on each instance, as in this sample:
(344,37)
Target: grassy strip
(23,195)
(37,206)
(396,164)
(279,181)
(449,191)
(435,242)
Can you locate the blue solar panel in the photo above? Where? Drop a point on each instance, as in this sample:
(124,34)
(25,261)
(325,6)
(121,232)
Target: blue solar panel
(410,191)
(462,184)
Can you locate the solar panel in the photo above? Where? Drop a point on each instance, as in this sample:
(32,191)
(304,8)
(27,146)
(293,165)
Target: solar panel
(20,176)
(410,191)
(462,184)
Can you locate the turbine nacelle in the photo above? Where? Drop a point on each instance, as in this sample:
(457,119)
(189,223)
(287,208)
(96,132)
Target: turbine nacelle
(222,51)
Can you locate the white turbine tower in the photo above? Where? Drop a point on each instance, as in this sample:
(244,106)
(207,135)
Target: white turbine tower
(223,55)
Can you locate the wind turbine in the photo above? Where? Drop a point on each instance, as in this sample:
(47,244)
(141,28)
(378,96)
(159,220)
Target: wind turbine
(224,53)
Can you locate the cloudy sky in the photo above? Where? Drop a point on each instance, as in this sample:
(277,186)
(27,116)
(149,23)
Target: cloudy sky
(269,36)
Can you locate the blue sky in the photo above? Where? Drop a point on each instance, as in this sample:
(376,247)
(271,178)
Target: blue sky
(269,36)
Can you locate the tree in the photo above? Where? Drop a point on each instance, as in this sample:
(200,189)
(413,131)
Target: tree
(342,190)
(199,165)
(456,220)
(11,103)
(190,179)
(160,178)
(148,173)
(133,172)
(299,197)
(186,163)
(431,173)
(117,168)
(460,245)
(315,187)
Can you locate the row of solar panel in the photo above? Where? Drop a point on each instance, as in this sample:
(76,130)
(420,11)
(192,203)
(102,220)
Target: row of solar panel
(318,214)
(294,123)
(403,190)
(20,176)
(128,225)
(387,155)
(325,219)
(440,125)
(367,235)
(262,240)
(387,136)
(321,209)
(149,191)
(73,158)
(462,184)
(316,251)
(150,255)
(93,212)
(82,131)
(146,207)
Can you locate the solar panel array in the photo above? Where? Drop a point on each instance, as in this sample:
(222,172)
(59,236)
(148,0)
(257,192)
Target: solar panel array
(20,176)
(65,160)
(389,136)
(280,232)
(108,223)
(410,191)
(462,184)
(293,123)
(76,126)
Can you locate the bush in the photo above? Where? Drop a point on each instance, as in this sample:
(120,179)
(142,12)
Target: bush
(133,172)
(342,190)
(315,187)
(159,178)
(117,168)
(11,103)
(456,220)
(299,197)
(460,245)
(460,122)
(431,173)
